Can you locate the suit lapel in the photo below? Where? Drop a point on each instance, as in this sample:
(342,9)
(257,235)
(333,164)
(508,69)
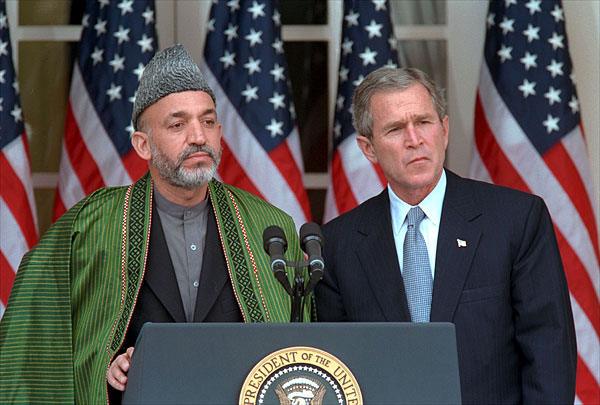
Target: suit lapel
(214,270)
(376,251)
(160,275)
(453,261)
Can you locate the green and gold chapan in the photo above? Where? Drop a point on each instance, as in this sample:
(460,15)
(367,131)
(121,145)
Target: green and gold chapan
(74,293)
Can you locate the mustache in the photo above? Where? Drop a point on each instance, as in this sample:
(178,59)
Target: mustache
(190,150)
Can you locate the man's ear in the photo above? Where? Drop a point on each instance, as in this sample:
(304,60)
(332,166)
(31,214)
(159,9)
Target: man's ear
(141,144)
(366,146)
(446,130)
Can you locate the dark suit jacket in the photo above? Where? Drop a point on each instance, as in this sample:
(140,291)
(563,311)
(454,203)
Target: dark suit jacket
(505,291)
(159,299)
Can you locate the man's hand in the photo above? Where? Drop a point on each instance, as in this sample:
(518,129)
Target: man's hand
(117,372)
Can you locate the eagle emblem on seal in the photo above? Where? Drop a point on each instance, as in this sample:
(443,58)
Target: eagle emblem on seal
(300,390)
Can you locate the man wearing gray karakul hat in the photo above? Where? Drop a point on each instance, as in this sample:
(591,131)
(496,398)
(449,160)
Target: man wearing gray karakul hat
(170,71)
(176,246)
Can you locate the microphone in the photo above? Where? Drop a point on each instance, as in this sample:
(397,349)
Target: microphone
(311,241)
(275,245)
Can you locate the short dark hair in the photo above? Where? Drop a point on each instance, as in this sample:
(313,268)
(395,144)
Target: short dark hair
(390,79)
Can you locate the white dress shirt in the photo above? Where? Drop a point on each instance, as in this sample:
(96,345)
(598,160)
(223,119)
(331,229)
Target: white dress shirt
(430,226)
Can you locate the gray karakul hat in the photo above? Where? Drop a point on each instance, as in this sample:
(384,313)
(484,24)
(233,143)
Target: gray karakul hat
(171,70)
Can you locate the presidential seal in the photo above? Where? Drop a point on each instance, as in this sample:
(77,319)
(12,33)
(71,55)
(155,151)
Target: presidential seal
(300,375)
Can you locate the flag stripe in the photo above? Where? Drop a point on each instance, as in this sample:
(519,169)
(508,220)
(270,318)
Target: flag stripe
(341,186)
(580,285)
(14,196)
(136,166)
(528,135)
(566,173)
(330,210)
(254,160)
(80,156)
(577,150)
(504,173)
(7,275)
(69,189)
(284,161)
(536,175)
(59,208)
(492,155)
(368,43)
(293,144)
(364,180)
(234,172)
(588,352)
(94,136)
(380,174)
(14,152)
(13,243)
(18,215)
(117,41)
(586,387)
(478,168)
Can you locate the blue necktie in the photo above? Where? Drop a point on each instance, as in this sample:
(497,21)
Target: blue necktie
(416,271)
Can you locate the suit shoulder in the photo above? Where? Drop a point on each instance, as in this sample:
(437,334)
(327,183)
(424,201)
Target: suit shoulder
(488,191)
(352,218)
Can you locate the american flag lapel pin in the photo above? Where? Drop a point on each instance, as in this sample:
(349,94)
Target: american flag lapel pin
(461,243)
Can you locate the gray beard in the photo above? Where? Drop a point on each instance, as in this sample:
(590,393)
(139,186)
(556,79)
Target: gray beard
(173,172)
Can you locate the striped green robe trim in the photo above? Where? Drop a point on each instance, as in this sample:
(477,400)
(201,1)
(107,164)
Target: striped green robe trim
(241,217)
(75,291)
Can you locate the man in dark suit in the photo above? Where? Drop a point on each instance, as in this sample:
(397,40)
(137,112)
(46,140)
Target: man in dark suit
(480,256)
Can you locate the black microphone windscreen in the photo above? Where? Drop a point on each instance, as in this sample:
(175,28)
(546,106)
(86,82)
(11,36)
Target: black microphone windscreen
(311,231)
(271,234)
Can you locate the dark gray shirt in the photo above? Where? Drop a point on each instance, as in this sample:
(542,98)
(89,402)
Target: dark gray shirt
(185,233)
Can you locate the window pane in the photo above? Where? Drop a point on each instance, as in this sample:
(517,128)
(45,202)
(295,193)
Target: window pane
(422,12)
(303,11)
(307,64)
(44,78)
(428,56)
(55,12)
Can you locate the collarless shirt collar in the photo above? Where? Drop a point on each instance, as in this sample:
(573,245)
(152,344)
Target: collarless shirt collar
(178,211)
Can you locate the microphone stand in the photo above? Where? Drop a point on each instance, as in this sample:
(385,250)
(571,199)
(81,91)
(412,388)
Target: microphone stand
(297,313)
(298,291)
(275,245)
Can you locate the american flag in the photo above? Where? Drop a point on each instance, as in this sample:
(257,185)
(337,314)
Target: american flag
(245,66)
(368,43)
(117,41)
(528,135)
(18,217)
